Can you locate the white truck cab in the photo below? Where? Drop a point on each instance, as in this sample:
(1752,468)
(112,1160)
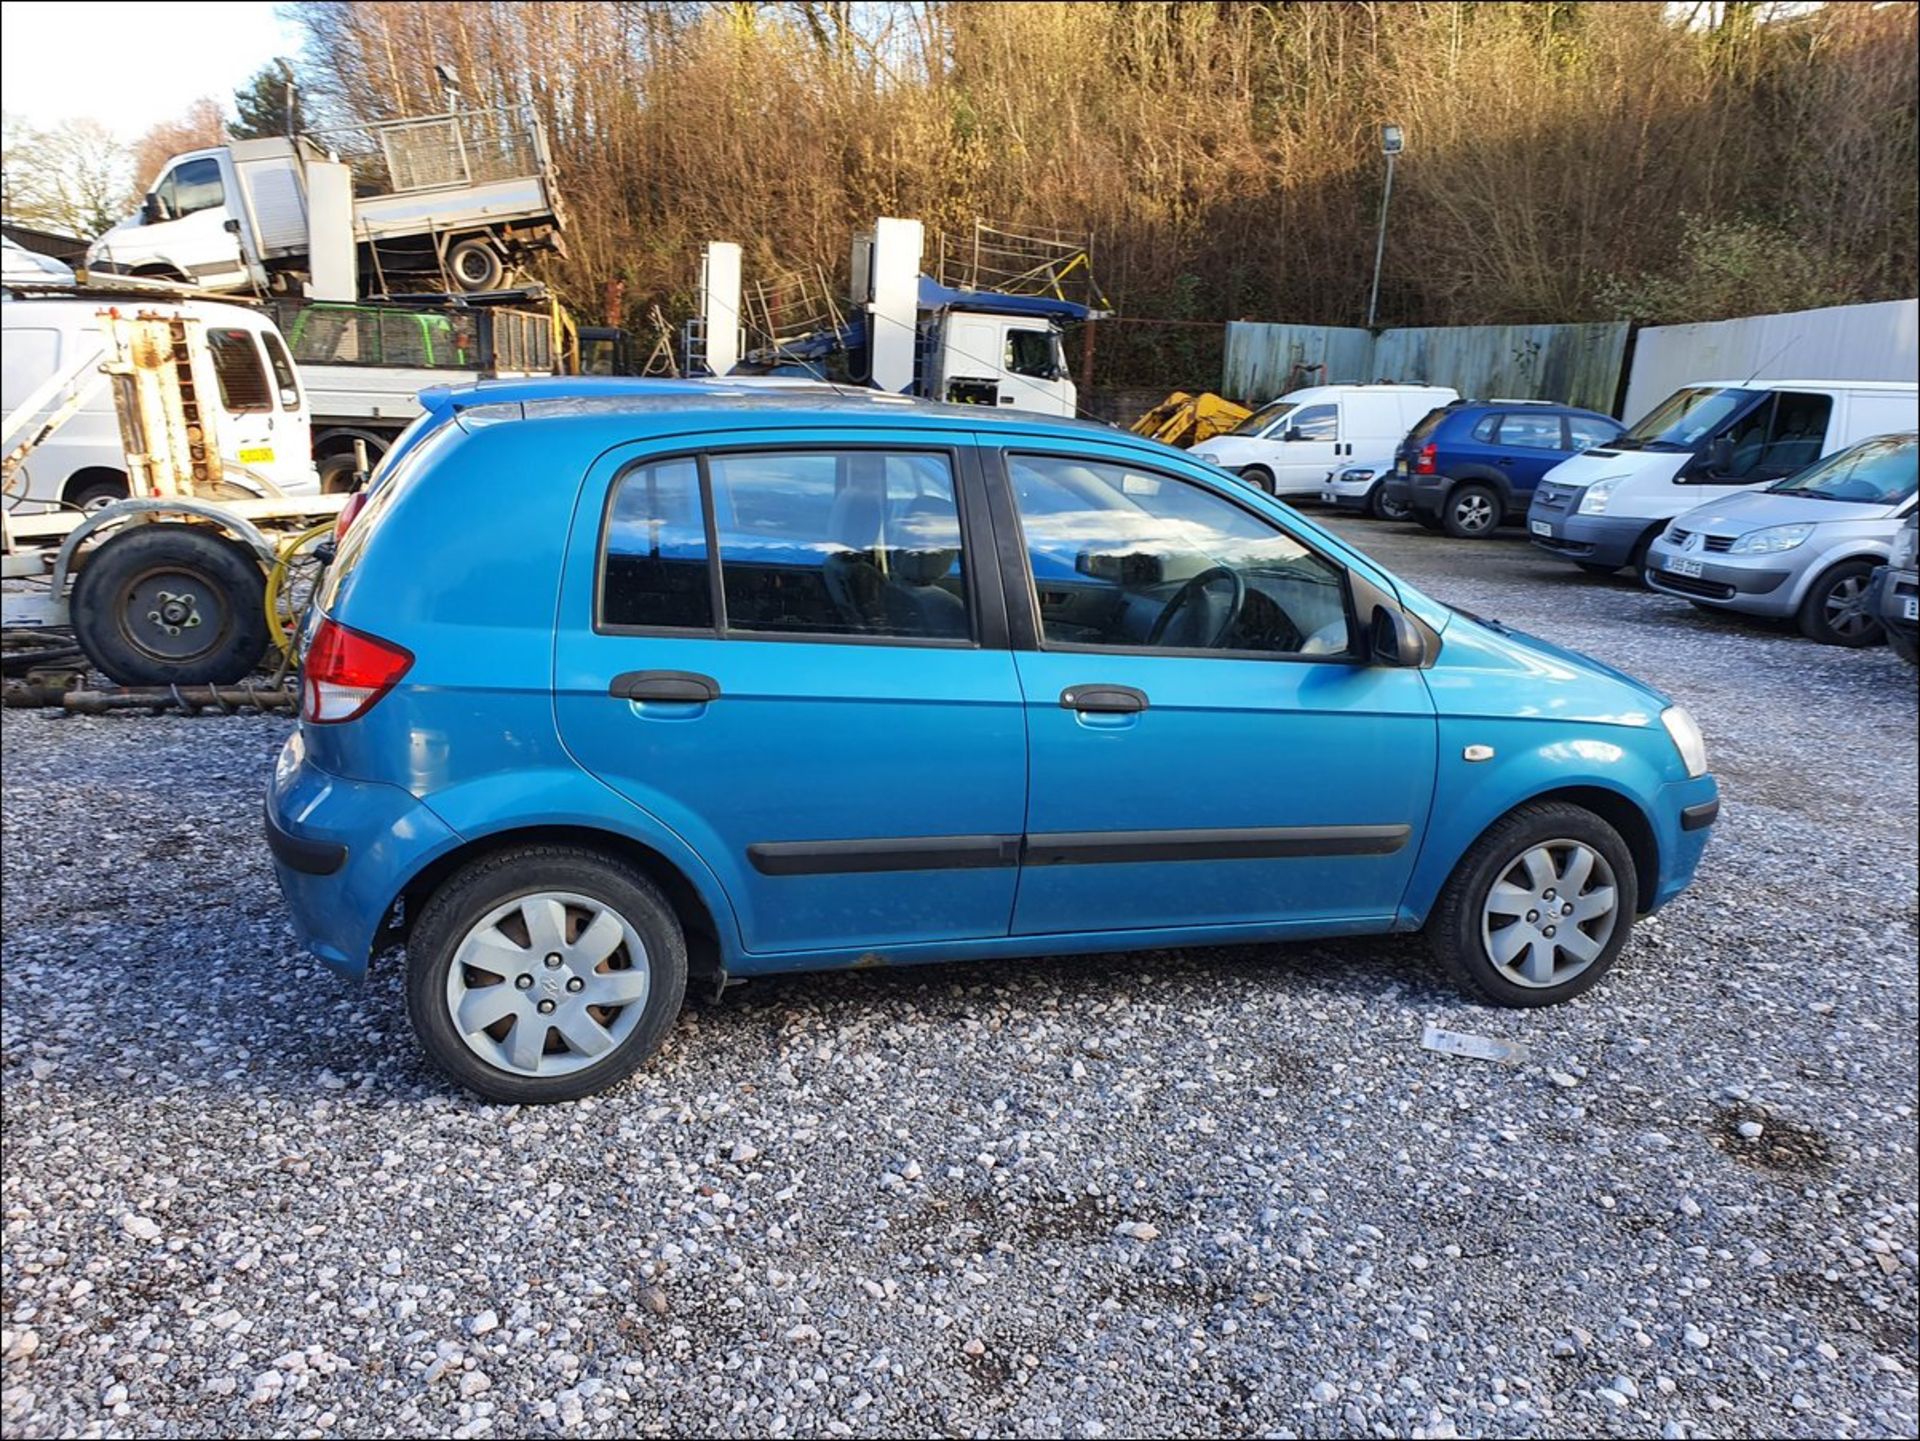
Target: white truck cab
(1288,446)
(259,409)
(1714,438)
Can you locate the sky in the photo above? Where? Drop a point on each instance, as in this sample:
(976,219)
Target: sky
(131,65)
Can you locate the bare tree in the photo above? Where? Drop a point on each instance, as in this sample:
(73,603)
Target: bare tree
(200,126)
(71,179)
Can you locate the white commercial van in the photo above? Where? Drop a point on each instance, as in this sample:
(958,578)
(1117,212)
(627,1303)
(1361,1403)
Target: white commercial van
(260,414)
(1604,507)
(1287,446)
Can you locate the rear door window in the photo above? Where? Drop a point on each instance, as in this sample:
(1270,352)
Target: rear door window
(654,571)
(237,366)
(1531,430)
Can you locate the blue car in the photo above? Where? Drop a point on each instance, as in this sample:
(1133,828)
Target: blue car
(607,699)
(1468,468)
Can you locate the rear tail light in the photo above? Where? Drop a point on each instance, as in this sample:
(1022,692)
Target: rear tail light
(1425,464)
(346,672)
(356,503)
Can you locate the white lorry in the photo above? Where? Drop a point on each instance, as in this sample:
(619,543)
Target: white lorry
(437,202)
(906,332)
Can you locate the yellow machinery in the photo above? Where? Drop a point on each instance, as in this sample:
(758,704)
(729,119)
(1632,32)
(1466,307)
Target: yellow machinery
(1183,420)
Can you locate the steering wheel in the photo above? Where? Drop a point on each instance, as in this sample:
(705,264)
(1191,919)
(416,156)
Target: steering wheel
(1186,595)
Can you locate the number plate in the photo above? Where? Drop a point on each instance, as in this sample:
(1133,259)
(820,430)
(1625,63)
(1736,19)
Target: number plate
(256,455)
(1399,467)
(1680,565)
(1539,527)
(1910,607)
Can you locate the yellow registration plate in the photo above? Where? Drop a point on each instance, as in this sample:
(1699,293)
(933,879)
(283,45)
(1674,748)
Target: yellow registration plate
(256,455)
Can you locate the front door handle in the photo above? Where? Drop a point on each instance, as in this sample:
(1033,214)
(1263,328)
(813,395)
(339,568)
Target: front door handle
(1103,699)
(682,686)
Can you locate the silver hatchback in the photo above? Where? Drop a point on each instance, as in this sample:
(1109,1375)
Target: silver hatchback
(1804,547)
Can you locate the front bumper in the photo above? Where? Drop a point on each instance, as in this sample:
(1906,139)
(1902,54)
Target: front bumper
(1683,820)
(1756,585)
(342,851)
(1554,524)
(1347,494)
(1896,600)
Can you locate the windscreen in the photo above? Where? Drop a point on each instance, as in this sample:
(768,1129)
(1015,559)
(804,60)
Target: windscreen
(1686,417)
(1881,471)
(1265,416)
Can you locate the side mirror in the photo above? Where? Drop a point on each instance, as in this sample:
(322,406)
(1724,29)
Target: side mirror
(150,212)
(1719,457)
(232,227)
(1395,640)
(1294,432)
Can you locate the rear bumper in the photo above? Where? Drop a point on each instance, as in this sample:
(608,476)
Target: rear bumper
(1398,488)
(1728,583)
(342,850)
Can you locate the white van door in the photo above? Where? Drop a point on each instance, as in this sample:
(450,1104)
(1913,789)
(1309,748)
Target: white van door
(1787,431)
(193,236)
(1034,373)
(258,430)
(1305,452)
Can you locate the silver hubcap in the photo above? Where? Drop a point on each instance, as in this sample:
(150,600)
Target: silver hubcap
(1550,913)
(1473,513)
(547,984)
(1847,607)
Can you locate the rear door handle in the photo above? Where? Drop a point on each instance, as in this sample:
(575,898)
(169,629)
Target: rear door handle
(1103,699)
(683,686)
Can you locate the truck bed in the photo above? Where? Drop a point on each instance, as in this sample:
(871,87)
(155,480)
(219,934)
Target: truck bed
(451,208)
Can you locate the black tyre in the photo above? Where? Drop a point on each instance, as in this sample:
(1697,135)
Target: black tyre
(1903,647)
(1425,521)
(475,265)
(544,973)
(1383,507)
(171,604)
(1472,511)
(1538,909)
(336,472)
(1597,567)
(1837,611)
(1259,477)
(97,492)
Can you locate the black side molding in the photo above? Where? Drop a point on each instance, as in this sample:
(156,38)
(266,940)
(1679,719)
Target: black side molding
(297,853)
(1088,848)
(1698,818)
(862,857)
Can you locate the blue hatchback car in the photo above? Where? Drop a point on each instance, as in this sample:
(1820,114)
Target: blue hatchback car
(617,689)
(1466,468)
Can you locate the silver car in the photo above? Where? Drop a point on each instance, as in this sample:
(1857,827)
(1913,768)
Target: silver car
(1804,547)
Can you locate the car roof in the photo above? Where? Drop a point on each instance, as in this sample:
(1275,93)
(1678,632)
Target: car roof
(655,405)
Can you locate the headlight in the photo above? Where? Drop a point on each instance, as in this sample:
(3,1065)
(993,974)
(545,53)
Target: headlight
(1356,475)
(1773,539)
(1204,455)
(1686,739)
(1594,501)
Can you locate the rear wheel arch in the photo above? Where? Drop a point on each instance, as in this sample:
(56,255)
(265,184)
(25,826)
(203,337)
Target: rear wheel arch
(690,906)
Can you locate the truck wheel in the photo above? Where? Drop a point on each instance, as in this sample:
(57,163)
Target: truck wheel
(96,493)
(336,470)
(1472,512)
(475,265)
(1835,611)
(171,605)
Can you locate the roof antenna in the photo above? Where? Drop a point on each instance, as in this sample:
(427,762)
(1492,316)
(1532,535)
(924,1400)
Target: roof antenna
(1769,361)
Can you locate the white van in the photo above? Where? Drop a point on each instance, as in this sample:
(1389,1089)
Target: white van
(1715,438)
(260,416)
(1287,446)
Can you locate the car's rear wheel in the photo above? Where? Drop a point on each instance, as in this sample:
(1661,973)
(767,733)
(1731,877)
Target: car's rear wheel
(1472,512)
(544,973)
(1425,521)
(1259,476)
(1382,506)
(1838,611)
(1538,909)
(1903,647)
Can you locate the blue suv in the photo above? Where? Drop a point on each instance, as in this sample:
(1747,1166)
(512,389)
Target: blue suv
(621,689)
(1467,468)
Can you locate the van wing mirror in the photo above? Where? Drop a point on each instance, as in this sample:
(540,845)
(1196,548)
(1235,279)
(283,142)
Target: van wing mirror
(150,213)
(1719,456)
(1395,640)
(1293,432)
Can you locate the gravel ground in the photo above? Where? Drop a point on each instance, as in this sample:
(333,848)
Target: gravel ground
(1201,1192)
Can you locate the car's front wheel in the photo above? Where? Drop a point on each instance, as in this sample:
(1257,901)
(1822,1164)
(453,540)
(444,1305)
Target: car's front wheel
(1837,610)
(544,973)
(1538,908)
(1259,477)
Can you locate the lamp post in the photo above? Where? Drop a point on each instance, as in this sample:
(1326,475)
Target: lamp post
(1391,142)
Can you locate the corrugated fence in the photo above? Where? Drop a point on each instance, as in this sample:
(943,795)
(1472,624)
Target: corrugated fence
(1576,363)
(1842,342)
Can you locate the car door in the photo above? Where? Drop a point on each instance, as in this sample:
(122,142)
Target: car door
(1205,746)
(1309,437)
(1528,444)
(791,653)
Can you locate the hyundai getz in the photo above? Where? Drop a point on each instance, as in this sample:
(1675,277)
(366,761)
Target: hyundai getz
(614,692)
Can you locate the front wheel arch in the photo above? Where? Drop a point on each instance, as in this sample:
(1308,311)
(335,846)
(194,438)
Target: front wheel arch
(1616,810)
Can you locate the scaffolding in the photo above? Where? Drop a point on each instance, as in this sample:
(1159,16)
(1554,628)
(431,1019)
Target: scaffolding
(1029,260)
